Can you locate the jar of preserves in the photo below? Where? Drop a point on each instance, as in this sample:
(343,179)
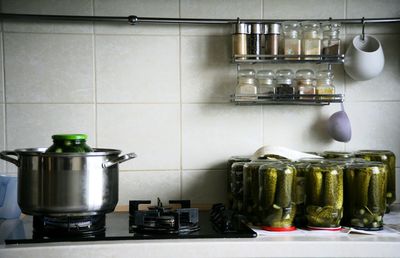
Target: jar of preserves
(337,154)
(389,159)
(324,196)
(284,81)
(247,87)
(330,39)
(277,207)
(236,186)
(74,143)
(365,191)
(229,170)
(305,83)
(292,40)
(239,40)
(311,40)
(266,82)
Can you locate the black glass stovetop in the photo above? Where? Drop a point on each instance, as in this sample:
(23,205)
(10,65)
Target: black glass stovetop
(19,231)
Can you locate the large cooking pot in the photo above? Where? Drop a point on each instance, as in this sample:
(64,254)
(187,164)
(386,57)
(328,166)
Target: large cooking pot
(67,184)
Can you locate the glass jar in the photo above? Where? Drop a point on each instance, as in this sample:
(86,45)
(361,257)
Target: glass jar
(74,143)
(337,154)
(324,195)
(266,82)
(236,186)
(389,159)
(300,185)
(365,190)
(255,39)
(231,161)
(292,40)
(305,83)
(272,39)
(330,39)
(311,41)
(325,84)
(277,207)
(284,87)
(247,87)
(239,40)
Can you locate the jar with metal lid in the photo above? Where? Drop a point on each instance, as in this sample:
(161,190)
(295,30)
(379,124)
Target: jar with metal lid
(266,82)
(284,87)
(247,86)
(256,39)
(277,207)
(330,39)
(365,191)
(239,40)
(324,196)
(236,186)
(300,185)
(325,85)
(292,40)
(272,39)
(305,83)
(389,159)
(311,41)
(74,143)
(337,154)
(229,170)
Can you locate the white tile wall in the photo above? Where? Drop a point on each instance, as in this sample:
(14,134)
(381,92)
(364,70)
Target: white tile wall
(162,91)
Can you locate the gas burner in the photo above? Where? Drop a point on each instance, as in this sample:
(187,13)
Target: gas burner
(68,227)
(163,219)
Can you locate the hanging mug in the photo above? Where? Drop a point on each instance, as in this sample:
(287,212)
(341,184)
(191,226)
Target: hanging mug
(364,59)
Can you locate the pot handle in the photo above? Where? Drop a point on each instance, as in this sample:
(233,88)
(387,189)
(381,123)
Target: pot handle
(5,155)
(120,159)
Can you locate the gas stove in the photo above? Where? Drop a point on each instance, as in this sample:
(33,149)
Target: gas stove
(177,220)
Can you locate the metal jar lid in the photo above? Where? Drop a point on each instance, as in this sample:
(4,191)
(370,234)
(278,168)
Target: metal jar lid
(256,28)
(274,28)
(241,28)
(283,80)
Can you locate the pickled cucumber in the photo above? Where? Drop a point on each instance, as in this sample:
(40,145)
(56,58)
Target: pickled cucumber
(268,186)
(331,189)
(375,193)
(314,186)
(361,181)
(283,197)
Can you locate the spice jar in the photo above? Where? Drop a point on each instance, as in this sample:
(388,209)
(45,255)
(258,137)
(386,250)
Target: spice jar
(284,81)
(239,40)
(389,159)
(255,39)
(229,170)
(325,84)
(305,83)
(292,40)
(63,143)
(246,87)
(324,195)
(277,208)
(266,83)
(311,41)
(365,191)
(330,39)
(272,39)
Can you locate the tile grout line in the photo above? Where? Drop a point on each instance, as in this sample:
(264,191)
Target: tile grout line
(94,80)
(4,93)
(344,72)
(180,109)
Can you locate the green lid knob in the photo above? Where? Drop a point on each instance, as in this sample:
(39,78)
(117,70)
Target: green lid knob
(69,137)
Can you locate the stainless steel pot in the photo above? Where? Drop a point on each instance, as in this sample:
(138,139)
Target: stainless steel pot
(67,184)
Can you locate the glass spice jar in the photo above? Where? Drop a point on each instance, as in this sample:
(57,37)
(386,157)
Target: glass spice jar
(311,41)
(266,83)
(247,86)
(277,207)
(324,195)
(284,87)
(272,39)
(239,40)
(325,85)
(305,83)
(330,39)
(365,192)
(292,40)
(73,143)
(255,39)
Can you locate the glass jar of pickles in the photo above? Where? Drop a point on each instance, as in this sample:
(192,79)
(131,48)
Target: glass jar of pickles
(236,186)
(276,202)
(63,143)
(389,159)
(324,196)
(229,169)
(365,192)
(337,154)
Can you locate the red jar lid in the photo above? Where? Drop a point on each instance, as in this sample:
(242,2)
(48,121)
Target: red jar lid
(277,229)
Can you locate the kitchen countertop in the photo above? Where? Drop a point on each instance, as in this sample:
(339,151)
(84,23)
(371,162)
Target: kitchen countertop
(292,244)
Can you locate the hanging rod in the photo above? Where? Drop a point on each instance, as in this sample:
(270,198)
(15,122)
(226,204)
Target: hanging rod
(133,19)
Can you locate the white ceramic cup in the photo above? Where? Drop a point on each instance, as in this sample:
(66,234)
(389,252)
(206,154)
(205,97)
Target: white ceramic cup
(364,59)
